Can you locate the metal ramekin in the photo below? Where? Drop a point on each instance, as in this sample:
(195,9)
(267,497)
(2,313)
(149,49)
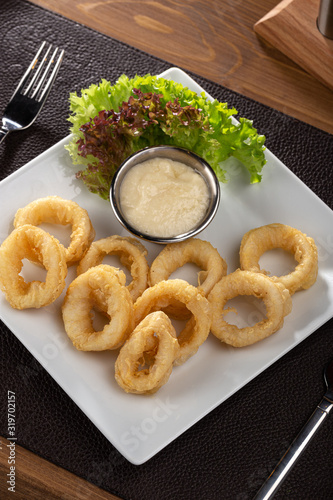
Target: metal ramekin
(176,154)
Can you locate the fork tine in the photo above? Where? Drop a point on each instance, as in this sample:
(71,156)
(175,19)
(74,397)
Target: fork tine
(38,70)
(53,75)
(26,75)
(42,79)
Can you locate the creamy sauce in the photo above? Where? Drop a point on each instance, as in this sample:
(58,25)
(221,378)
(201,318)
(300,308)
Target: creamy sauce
(163,198)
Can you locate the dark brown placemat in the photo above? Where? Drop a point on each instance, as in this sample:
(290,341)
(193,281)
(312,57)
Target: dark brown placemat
(229,453)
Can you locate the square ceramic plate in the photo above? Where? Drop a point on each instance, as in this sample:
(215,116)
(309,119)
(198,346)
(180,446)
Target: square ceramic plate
(140,426)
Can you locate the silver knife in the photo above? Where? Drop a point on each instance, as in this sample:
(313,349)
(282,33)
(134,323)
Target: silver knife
(274,481)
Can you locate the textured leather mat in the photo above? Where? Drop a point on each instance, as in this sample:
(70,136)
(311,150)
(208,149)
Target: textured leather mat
(229,453)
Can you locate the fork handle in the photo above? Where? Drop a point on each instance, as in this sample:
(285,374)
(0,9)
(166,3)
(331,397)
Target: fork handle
(3,133)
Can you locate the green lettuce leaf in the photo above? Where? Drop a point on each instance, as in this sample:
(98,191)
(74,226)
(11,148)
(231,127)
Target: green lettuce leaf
(110,122)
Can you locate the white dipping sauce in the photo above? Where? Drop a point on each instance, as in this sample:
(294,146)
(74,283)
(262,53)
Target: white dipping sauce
(163,198)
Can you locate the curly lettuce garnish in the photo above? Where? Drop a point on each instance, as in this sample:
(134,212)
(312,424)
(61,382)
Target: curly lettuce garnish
(110,122)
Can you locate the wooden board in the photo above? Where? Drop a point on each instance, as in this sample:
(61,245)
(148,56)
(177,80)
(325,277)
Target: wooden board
(291,27)
(36,478)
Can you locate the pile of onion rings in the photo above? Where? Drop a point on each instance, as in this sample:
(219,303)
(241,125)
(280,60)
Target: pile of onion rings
(137,315)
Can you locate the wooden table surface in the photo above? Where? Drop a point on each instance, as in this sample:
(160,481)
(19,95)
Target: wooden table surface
(215,39)
(212,38)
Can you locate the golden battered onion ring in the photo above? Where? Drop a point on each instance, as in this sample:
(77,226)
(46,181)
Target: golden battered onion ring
(164,293)
(101,286)
(175,255)
(132,255)
(32,243)
(56,210)
(274,295)
(259,240)
(155,338)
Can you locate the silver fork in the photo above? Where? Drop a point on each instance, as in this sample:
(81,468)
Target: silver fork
(32,91)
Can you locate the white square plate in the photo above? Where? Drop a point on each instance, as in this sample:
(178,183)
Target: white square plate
(140,426)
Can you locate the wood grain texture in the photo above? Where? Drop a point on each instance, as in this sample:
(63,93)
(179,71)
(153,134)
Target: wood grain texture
(214,39)
(38,479)
(298,37)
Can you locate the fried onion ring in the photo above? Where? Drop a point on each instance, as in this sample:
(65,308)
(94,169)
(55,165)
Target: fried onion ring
(104,287)
(259,240)
(166,292)
(274,295)
(146,359)
(132,255)
(175,255)
(32,243)
(56,210)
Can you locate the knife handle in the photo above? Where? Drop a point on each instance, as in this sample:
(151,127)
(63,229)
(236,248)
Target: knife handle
(274,481)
